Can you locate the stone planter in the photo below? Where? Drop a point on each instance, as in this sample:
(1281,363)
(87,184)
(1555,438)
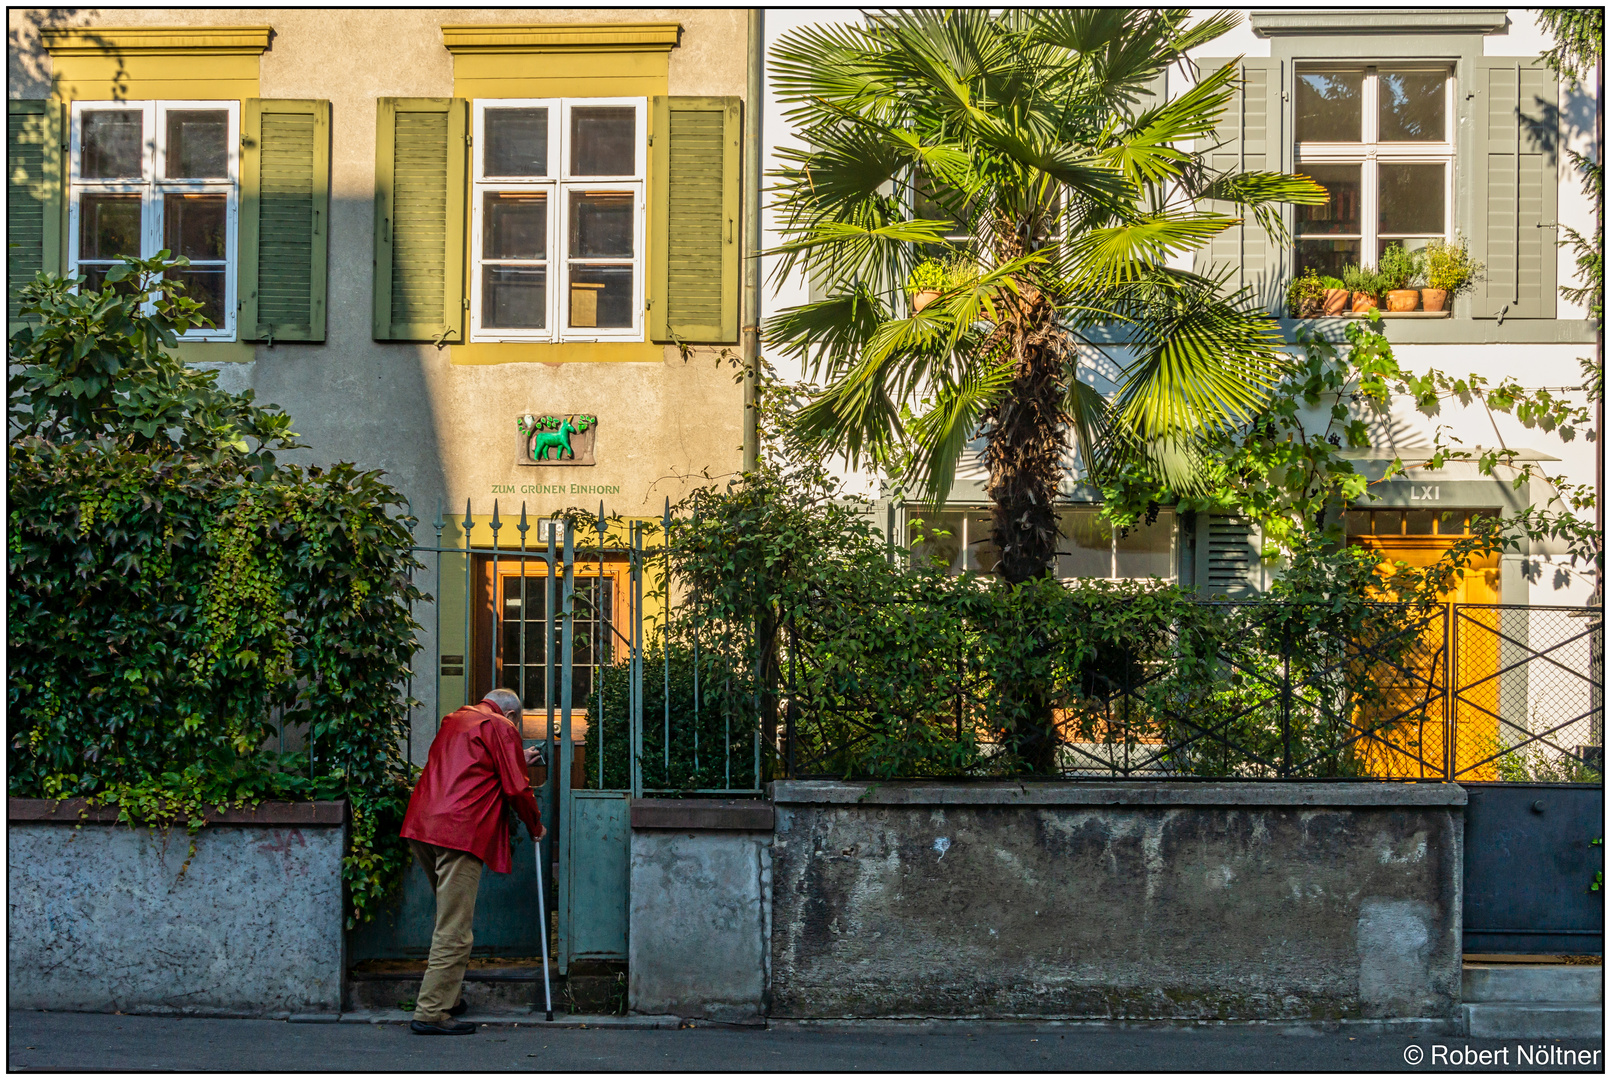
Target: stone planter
(1335,302)
(1434,299)
(1363,302)
(1403,299)
(107,918)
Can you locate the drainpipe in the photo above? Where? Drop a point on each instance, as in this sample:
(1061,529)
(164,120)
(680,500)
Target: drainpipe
(750,317)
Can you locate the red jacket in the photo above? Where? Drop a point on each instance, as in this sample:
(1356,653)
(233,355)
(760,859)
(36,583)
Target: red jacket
(475,764)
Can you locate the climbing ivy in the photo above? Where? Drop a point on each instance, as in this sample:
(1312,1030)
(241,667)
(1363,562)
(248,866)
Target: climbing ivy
(179,599)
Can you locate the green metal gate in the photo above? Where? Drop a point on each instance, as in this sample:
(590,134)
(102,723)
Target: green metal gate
(545,608)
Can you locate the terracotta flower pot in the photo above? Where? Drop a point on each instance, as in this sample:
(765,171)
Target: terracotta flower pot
(1434,299)
(1363,302)
(1308,307)
(1403,299)
(1336,302)
(923,298)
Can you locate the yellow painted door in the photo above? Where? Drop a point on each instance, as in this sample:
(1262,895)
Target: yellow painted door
(1420,728)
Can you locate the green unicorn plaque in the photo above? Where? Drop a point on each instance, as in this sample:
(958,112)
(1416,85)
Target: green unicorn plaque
(547,439)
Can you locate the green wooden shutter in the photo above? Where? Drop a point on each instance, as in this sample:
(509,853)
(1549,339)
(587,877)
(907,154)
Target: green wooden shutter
(421,146)
(1514,188)
(33,195)
(1248,139)
(694,256)
(285,219)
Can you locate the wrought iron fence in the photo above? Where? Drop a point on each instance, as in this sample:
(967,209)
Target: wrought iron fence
(1254,690)
(571,616)
(1527,695)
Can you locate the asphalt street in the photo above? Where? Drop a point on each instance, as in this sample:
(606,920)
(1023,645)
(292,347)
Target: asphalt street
(41,1041)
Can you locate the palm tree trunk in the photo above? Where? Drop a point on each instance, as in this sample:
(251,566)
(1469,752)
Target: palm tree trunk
(1024,456)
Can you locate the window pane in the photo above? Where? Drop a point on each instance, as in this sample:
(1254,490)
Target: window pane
(1411,198)
(94,275)
(1389,523)
(604,141)
(1411,106)
(514,226)
(112,140)
(983,555)
(601,225)
(194,225)
(1327,257)
(1356,522)
(1419,522)
(1340,212)
(944,550)
(1451,522)
(198,144)
(517,142)
(1148,550)
(514,297)
(1086,550)
(1329,107)
(207,285)
(601,296)
(108,226)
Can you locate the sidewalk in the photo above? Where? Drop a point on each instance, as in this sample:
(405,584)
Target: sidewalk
(47,1042)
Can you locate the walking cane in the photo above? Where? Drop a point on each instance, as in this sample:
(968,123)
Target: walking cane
(542,918)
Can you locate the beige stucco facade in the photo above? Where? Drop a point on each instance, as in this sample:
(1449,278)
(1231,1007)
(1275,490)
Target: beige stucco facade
(440,421)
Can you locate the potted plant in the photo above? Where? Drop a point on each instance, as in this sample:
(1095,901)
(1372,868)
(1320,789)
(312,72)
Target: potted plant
(1335,297)
(1305,296)
(1366,285)
(925,283)
(1450,271)
(1399,268)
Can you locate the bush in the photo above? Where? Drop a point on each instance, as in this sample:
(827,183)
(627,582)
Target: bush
(1451,267)
(1305,295)
(176,594)
(926,275)
(858,661)
(1363,279)
(1400,267)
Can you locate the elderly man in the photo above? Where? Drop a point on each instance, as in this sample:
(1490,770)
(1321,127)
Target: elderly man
(456,824)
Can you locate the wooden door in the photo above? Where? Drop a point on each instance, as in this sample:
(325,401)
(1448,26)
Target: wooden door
(1419,538)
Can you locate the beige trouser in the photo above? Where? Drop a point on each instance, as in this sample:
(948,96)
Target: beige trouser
(454,878)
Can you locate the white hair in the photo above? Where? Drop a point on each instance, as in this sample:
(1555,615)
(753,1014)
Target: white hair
(505,701)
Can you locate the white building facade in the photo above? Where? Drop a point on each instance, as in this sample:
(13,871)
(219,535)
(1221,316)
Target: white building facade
(1422,124)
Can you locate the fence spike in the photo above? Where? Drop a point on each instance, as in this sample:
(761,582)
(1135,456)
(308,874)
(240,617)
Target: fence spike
(469,522)
(523,526)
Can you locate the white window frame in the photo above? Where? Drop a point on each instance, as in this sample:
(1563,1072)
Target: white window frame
(970,559)
(1370,152)
(152,187)
(560,185)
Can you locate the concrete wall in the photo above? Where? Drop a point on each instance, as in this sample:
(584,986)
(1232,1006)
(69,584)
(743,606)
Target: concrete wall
(109,918)
(1117,901)
(699,915)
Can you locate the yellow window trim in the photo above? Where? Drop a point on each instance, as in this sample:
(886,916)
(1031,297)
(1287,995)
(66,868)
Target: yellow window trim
(195,40)
(556,37)
(200,63)
(559,352)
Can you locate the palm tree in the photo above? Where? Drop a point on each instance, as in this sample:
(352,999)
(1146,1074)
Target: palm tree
(1021,147)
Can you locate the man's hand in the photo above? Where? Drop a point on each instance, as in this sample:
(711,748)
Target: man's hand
(534,754)
(542,831)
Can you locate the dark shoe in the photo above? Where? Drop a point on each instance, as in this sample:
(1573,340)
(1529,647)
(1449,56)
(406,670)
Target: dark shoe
(449,1027)
(460,1009)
